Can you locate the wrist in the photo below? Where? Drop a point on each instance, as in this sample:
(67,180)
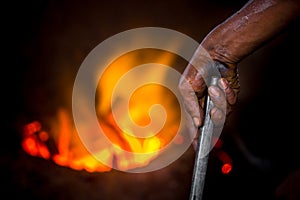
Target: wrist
(220,51)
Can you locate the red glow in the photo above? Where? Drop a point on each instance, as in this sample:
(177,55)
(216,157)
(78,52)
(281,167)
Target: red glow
(34,147)
(218,143)
(43,136)
(226,168)
(29,146)
(44,152)
(226,160)
(32,128)
(224,157)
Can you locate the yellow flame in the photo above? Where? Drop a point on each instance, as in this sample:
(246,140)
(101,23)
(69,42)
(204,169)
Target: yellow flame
(70,150)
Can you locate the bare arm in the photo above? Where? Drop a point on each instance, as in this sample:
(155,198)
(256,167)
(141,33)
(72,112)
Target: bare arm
(245,31)
(249,28)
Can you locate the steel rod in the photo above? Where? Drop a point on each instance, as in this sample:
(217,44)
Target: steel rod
(202,151)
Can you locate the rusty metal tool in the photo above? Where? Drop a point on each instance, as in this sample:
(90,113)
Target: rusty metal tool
(202,151)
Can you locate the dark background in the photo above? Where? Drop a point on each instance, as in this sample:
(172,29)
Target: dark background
(44,43)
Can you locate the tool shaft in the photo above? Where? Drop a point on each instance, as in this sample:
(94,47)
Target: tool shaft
(202,151)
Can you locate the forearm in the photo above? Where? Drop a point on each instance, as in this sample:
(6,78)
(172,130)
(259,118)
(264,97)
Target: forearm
(249,28)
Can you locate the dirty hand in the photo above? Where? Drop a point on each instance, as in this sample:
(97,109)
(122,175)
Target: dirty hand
(193,88)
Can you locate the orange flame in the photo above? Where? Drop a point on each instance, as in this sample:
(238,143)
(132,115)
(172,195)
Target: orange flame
(71,152)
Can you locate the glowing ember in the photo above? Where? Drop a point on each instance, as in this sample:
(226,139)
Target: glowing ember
(226,168)
(33,143)
(226,160)
(69,151)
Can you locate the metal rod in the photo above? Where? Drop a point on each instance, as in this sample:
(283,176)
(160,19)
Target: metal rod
(202,151)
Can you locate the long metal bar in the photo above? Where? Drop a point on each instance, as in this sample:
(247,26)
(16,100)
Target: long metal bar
(202,151)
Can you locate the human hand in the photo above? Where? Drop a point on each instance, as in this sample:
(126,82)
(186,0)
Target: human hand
(193,87)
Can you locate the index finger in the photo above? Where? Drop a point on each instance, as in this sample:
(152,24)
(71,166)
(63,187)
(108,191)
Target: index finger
(190,101)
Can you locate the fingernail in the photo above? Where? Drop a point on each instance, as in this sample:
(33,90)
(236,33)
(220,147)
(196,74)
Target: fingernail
(213,91)
(196,121)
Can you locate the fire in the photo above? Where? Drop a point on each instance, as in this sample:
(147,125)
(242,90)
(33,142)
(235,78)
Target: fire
(69,151)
